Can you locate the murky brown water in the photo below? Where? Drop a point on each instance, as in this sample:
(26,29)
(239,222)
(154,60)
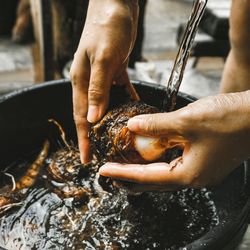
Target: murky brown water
(113,220)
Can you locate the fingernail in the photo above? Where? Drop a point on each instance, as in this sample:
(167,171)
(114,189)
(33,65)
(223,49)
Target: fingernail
(93,114)
(103,170)
(85,159)
(107,168)
(110,165)
(134,123)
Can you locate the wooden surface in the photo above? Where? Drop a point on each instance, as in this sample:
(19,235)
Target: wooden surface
(58,26)
(43,49)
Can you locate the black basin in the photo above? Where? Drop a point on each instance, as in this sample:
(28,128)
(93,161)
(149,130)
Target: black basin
(23,115)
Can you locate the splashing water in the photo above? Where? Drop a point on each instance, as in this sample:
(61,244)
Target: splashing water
(107,220)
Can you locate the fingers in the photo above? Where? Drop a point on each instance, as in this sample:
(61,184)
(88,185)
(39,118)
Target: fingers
(158,124)
(197,167)
(80,106)
(98,93)
(91,85)
(201,165)
(152,174)
(79,79)
(188,170)
(82,127)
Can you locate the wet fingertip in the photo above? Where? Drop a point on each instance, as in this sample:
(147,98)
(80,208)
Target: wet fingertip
(93,114)
(82,159)
(107,169)
(103,171)
(85,159)
(133,124)
(85,156)
(137,122)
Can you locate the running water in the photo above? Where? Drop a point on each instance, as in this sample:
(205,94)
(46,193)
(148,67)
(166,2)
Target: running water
(177,72)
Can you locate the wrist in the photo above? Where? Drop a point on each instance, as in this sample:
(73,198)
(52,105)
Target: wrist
(244,119)
(241,106)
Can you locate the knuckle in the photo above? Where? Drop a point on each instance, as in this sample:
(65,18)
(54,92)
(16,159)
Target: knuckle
(101,61)
(79,72)
(95,95)
(185,118)
(73,77)
(76,54)
(150,126)
(195,114)
(78,79)
(82,126)
(104,57)
(79,120)
(188,113)
(72,73)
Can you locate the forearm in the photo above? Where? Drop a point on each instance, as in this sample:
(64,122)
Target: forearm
(236,76)
(237,105)
(244,121)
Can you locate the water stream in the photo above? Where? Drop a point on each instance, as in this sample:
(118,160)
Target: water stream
(177,72)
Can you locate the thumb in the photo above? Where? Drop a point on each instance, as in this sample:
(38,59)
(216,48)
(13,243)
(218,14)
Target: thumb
(158,124)
(98,92)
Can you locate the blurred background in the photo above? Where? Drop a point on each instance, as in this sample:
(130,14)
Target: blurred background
(38,40)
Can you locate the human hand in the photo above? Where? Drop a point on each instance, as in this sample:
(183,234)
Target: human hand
(217,134)
(100,60)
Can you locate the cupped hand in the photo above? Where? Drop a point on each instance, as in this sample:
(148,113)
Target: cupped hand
(217,134)
(100,60)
